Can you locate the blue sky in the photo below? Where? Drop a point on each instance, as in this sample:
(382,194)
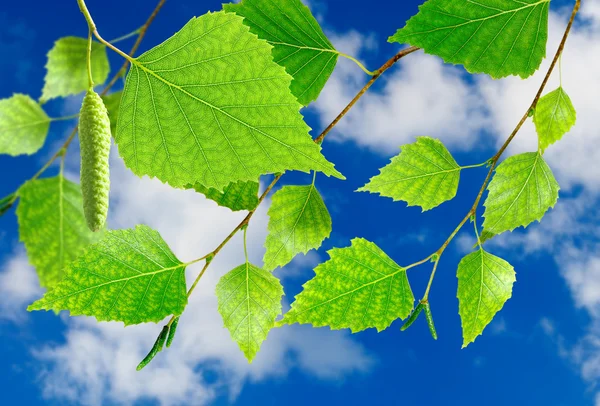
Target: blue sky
(542,348)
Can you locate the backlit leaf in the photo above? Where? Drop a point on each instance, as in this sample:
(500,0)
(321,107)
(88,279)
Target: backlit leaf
(360,287)
(249,301)
(521,191)
(554,116)
(210,106)
(23,125)
(299,43)
(484,284)
(424,174)
(67,67)
(497,37)
(298,222)
(130,276)
(52,226)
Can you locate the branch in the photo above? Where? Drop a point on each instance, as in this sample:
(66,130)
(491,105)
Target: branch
(494,160)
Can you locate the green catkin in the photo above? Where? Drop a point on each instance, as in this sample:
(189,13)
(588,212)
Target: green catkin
(156,348)
(412,317)
(94,138)
(172,331)
(429,318)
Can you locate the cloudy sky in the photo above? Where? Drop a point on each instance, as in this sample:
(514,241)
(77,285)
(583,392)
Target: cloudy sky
(543,348)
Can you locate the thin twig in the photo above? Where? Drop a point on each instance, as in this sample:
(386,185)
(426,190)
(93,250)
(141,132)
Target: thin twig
(496,158)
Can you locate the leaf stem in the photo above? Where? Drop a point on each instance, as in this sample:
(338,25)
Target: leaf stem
(245,242)
(477,231)
(126,36)
(87,15)
(89,60)
(65,118)
(475,166)
(356,61)
(430,283)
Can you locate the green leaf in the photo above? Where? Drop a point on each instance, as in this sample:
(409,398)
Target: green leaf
(554,116)
(499,38)
(424,174)
(210,106)
(23,125)
(249,301)
(522,191)
(67,67)
(484,284)
(112,102)
(360,287)
(299,43)
(52,226)
(130,276)
(298,222)
(6,203)
(236,196)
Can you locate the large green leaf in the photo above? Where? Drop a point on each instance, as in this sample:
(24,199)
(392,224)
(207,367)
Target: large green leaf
(484,284)
(52,226)
(360,287)
(67,67)
(553,117)
(249,301)
(299,43)
(210,106)
(424,174)
(236,196)
(130,276)
(298,222)
(522,191)
(23,125)
(496,37)
(112,102)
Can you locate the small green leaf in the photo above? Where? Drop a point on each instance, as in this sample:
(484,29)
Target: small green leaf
(485,283)
(23,125)
(554,116)
(52,226)
(299,43)
(298,222)
(499,38)
(210,106)
(360,287)
(424,174)
(130,276)
(113,102)
(249,301)
(67,67)
(522,191)
(236,196)
(6,203)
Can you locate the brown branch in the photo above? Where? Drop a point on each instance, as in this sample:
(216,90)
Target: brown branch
(494,160)
(318,140)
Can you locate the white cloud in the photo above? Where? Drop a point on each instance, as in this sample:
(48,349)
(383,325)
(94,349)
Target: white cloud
(423,97)
(18,287)
(96,364)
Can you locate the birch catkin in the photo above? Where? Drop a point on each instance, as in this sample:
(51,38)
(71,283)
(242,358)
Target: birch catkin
(94,138)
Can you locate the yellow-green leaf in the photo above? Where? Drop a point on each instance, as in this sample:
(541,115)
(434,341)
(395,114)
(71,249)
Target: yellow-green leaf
(23,125)
(485,283)
(249,301)
(553,117)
